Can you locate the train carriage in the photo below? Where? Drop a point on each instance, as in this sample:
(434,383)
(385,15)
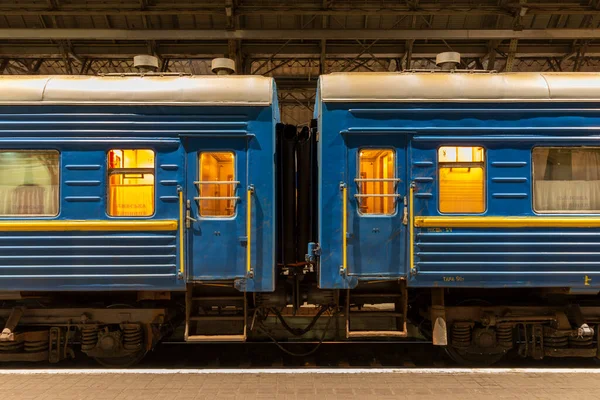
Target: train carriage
(461,207)
(116,193)
(476,191)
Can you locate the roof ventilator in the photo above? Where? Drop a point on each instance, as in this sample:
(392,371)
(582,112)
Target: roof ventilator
(448,61)
(223,66)
(145,63)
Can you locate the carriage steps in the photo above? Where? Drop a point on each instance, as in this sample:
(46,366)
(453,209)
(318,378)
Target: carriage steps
(377,314)
(215,317)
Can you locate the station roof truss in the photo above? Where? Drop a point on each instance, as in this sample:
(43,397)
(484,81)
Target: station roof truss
(297,40)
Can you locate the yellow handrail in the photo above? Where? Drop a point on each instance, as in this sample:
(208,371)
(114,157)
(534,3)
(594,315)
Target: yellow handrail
(181,235)
(344,229)
(412,227)
(249,229)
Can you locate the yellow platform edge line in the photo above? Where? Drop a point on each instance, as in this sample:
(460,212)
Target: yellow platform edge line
(78,225)
(507,222)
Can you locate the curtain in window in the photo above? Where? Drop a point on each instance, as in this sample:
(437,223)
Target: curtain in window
(566,180)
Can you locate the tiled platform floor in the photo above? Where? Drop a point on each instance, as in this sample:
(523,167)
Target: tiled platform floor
(402,384)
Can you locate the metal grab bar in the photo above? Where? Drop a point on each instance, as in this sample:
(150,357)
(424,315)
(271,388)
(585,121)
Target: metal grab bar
(378,195)
(377,180)
(181,235)
(411,214)
(249,231)
(215,182)
(217,198)
(344,268)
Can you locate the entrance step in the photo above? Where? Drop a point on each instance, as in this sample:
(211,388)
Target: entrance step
(374,310)
(213,314)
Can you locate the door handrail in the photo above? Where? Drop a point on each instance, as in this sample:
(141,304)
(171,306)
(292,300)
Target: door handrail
(181,235)
(377,180)
(411,227)
(215,182)
(249,193)
(217,198)
(361,195)
(344,268)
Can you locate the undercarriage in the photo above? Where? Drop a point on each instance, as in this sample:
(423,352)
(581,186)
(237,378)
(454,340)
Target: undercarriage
(470,327)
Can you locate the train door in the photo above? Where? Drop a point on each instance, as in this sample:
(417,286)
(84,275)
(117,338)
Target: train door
(376,205)
(216,180)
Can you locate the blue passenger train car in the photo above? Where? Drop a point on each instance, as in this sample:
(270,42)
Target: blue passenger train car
(122,190)
(456,182)
(456,207)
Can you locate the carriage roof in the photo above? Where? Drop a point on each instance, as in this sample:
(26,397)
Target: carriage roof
(134,90)
(459,87)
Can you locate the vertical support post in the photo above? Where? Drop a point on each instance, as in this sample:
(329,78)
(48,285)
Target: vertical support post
(512,52)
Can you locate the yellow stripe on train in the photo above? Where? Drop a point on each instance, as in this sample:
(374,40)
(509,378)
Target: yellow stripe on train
(507,222)
(96,225)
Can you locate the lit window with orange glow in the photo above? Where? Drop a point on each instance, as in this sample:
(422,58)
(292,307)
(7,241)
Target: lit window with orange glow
(376,181)
(217,185)
(461,179)
(130,183)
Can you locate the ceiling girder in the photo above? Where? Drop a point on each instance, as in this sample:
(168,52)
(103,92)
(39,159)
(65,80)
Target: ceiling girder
(294,50)
(296,34)
(215,8)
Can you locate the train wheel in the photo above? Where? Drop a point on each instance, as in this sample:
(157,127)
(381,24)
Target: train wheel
(121,362)
(467,359)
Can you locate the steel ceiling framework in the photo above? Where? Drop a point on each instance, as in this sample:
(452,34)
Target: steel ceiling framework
(296,40)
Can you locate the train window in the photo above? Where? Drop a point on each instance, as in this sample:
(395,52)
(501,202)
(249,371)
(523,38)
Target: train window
(461,179)
(377,181)
(217,185)
(130,183)
(566,180)
(29,183)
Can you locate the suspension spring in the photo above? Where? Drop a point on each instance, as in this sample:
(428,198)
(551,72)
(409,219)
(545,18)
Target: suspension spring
(36,346)
(89,337)
(504,335)
(11,347)
(556,342)
(461,335)
(581,342)
(132,337)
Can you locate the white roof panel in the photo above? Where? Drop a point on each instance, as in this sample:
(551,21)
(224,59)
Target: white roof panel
(152,90)
(459,87)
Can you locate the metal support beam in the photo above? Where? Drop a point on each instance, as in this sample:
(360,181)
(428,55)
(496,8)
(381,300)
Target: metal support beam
(512,51)
(409,53)
(323,57)
(3,65)
(296,34)
(305,50)
(214,8)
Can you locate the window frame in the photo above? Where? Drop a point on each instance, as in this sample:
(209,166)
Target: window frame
(532,185)
(397,198)
(485,178)
(235,179)
(58,185)
(108,175)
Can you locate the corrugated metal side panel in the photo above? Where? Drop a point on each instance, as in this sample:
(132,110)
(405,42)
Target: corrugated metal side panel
(517,257)
(78,260)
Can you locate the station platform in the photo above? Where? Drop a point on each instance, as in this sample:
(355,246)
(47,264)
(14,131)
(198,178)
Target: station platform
(272,384)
